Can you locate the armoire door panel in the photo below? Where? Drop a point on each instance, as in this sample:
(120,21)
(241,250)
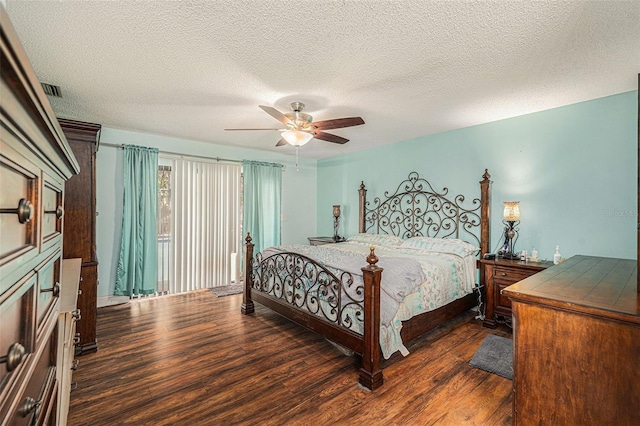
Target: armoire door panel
(79,216)
(87,303)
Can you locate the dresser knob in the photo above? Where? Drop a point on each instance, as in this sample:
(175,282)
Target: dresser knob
(59,212)
(14,356)
(55,290)
(74,365)
(76,315)
(504,274)
(28,406)
(24,210)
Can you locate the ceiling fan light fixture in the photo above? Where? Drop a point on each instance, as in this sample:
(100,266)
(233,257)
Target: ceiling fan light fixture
(297,137)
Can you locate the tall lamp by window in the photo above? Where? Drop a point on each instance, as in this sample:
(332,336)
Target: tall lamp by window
(511,221)
(336,222)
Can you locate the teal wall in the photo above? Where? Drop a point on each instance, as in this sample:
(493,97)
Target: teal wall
(573,169)
(298,198)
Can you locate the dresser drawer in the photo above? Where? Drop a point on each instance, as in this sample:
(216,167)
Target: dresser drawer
(36,404)
(510,275)
(16,336)
(18,215)
(48,287)
(52,210)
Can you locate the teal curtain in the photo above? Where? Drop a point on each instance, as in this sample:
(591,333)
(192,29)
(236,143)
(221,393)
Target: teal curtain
(137,271)
(262,195)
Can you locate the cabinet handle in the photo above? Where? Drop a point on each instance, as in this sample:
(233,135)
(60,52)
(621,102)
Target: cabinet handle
(14,356)
(76,315)
(59,212)
(74,365)
(55,290)
(76,339)
(24,210)
(74,386)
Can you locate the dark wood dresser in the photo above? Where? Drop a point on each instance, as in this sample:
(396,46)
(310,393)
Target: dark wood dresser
(35,162)
(500,274)
(576,332)
(80,223)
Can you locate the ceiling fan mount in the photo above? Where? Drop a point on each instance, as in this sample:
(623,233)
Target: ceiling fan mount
(299,119)
(300,127)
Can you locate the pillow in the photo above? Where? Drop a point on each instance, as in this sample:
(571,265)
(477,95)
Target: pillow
(377,239)
(443,245)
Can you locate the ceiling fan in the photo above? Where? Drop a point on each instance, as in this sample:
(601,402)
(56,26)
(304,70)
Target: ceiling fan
(300,128)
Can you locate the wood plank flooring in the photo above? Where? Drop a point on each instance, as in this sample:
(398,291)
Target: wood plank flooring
(194,359)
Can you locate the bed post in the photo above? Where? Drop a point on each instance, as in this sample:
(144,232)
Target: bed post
(361,211)
(371,373)
(485,213)
(247,304)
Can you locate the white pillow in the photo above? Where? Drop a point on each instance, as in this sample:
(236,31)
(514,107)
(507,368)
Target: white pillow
(377,239)
(443,245)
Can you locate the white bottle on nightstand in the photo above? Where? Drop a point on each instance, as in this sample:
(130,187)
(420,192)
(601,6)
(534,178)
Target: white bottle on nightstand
(557,256)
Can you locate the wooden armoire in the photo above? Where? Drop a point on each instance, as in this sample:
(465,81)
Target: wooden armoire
(80,224)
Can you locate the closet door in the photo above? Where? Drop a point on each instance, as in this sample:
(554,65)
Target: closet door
(80,226)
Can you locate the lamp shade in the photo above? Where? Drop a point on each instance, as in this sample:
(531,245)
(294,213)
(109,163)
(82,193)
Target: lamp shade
(297,137)
(511,211)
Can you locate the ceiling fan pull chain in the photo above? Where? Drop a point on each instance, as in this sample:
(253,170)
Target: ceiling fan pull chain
(297,168)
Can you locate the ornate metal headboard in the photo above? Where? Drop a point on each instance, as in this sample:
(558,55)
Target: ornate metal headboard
(416,209)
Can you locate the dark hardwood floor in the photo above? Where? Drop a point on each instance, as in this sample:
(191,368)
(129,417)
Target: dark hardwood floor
(194,359)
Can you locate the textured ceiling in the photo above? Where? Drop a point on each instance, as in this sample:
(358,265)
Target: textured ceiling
(409,68)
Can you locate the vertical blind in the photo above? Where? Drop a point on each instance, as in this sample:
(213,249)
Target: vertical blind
(206,221)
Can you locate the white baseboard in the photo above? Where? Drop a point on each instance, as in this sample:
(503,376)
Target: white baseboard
(112,300)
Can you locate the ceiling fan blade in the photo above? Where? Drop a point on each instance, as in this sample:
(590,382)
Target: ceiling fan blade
(275,114)
(257,129)
(281,142)
(338,123)
(330,138)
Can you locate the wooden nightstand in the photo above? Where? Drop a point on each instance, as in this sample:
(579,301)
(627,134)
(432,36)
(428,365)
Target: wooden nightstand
(318,241)
(500,274)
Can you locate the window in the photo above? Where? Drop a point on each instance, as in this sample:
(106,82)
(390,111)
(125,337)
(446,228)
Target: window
(164,226)
(199,224)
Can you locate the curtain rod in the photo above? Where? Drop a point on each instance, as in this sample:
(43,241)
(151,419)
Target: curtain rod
(119,146)
(179,154)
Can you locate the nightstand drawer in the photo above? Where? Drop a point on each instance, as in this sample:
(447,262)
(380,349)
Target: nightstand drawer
(511,275)
(503,300)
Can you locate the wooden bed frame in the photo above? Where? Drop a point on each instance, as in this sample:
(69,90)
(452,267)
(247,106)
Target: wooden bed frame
(414,209)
